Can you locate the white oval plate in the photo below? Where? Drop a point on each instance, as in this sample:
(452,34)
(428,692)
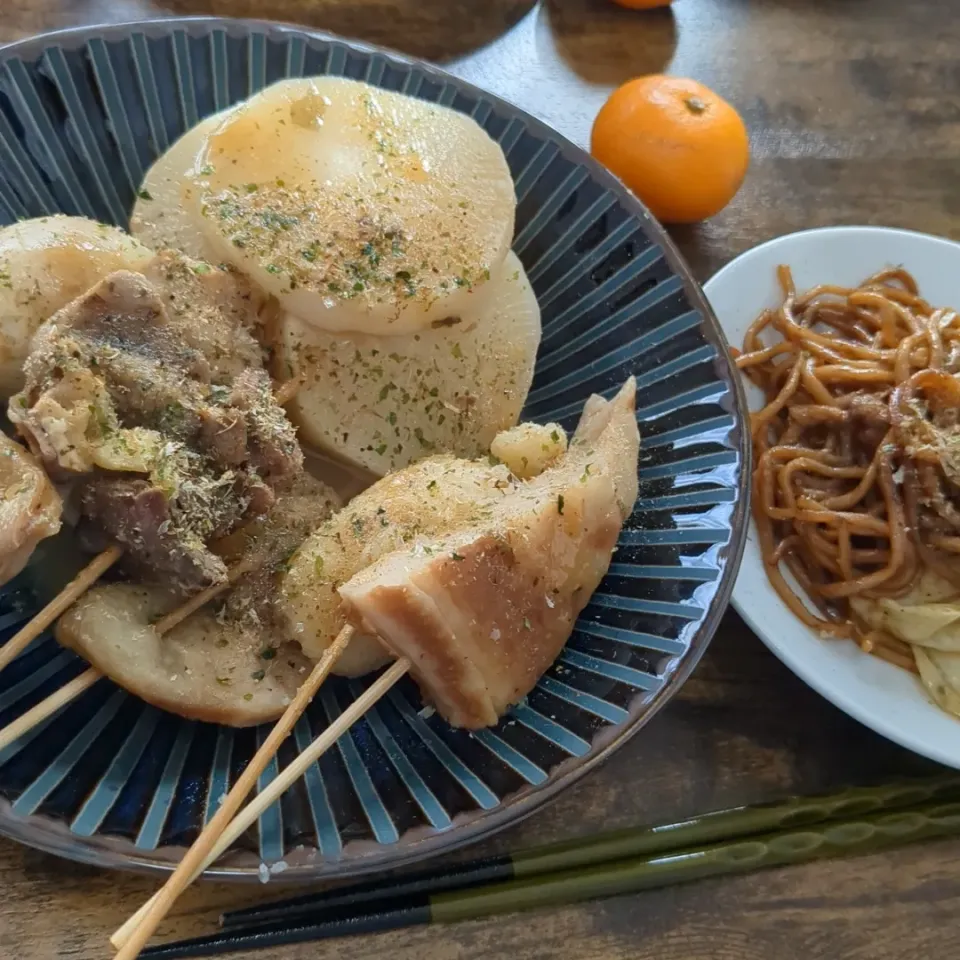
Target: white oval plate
(886,699)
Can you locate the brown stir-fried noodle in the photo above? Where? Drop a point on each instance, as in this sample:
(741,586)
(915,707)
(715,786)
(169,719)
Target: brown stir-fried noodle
(857,450)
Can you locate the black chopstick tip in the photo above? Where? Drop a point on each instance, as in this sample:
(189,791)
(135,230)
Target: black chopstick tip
(405,890)
(273,935)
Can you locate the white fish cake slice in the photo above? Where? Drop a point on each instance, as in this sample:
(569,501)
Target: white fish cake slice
(363,210)
(202,669)
(383,402)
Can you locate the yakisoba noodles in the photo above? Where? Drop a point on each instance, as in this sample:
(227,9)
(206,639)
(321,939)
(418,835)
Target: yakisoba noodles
(854,449)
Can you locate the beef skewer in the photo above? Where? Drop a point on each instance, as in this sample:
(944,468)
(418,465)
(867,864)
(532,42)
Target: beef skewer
(96,568)
(149,394)
(149,391)
(475,614)
(75,590)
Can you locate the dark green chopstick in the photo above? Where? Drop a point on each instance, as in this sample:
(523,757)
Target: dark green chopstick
(854,836)
(613,845)
(857,836)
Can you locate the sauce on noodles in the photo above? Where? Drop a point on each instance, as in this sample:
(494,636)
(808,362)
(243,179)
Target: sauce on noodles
(856,485)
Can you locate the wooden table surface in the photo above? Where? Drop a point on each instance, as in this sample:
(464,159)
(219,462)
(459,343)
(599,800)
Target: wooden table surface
(854,115)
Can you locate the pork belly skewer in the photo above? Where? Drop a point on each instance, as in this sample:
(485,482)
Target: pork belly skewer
(149,392)
(481,612)
(475,615)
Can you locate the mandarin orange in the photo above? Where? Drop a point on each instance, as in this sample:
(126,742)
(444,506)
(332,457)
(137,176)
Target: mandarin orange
(679,147)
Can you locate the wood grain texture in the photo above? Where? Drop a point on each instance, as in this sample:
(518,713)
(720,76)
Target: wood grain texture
(854,114)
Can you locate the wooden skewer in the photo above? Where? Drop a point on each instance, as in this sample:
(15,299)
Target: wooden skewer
(46,708)
(287,390)
(72,592)
(122,937)
(175,617)
(221,832)
(60,698)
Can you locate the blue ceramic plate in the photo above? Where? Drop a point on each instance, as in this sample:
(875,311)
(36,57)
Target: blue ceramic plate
(114,782)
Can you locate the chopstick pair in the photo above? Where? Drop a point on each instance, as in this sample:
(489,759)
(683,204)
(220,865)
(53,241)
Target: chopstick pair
(738,840)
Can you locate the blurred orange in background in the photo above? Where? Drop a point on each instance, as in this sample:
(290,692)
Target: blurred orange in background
(681,148)
(642,4)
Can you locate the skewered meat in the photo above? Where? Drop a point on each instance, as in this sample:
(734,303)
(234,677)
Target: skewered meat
(425,499)
(152,389)
(484,610)
(29,507)
(44,264)
(232,662)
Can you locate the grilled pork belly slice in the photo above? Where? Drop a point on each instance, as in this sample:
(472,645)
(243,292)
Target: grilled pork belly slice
(483,611)
(425,499)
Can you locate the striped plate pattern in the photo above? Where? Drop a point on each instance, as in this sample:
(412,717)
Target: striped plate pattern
(115,782)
